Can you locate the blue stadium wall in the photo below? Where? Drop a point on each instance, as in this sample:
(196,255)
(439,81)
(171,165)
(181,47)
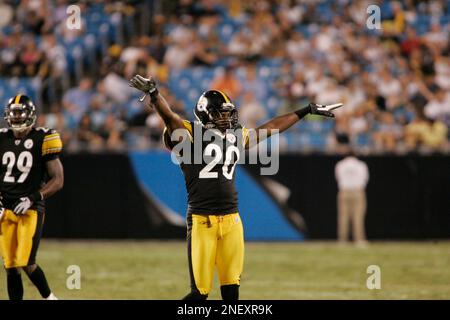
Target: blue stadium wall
(142,196)
(163,181)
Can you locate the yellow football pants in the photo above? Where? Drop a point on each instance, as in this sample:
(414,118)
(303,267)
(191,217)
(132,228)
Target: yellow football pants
(19,238)
(215,241)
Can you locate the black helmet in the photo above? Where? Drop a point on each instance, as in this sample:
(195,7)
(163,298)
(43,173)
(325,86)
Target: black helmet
(215,110)
(20,113)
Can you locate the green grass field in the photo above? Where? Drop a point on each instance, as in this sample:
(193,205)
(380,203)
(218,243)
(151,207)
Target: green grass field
(322,270)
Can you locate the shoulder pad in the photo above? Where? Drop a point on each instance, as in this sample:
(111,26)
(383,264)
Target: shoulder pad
(52,143)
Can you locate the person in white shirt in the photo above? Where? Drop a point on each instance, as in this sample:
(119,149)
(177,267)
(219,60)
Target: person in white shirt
(352,176)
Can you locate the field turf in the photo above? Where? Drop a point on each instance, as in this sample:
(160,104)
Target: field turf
(308,270)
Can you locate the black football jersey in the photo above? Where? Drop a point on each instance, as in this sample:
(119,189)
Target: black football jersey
(23,170)
(210,170)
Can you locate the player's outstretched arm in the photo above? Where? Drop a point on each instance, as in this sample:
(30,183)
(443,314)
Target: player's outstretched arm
(284,122)
(148,87)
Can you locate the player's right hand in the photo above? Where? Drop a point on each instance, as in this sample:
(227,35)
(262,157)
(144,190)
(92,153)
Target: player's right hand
(22,205)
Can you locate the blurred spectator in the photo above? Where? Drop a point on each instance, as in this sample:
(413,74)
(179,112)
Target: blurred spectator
(53,119)
(436,37)
(395,25)
(387,85)
(86,136)
(97,112)
(439,106)
(227,82)
(354,96)
(426,135)
(204,53)
(352,176)
(55,53)
(388,133)
(442,69)
(296,45)
(239,46)
(30,58)
(254,83)
(342,134)
(6,14)
(112,133)
(251,112)
(76,100)
(411,42)
(358,123)
(131,55)
(181,50)
(289,52)
(332,93)
(115,87)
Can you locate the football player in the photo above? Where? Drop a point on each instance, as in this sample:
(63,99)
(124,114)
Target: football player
(215,232)
(30,173)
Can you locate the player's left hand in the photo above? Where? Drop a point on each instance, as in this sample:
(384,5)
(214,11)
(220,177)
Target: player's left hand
(22,205)
(324,110)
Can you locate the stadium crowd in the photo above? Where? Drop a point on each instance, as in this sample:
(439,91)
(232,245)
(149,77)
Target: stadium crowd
(270,57)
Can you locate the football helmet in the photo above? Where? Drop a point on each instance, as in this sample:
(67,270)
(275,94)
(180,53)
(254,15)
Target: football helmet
(20,113)
(214,109)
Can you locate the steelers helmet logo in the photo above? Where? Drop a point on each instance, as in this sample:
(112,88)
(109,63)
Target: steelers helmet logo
(202,103)
(28,143)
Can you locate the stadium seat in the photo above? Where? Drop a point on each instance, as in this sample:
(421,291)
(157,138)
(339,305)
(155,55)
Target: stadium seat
(363,140)
(11,86)
(226,31)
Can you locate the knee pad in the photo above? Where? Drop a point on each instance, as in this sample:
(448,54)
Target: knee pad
(195,295)
(30,269)
(230,292)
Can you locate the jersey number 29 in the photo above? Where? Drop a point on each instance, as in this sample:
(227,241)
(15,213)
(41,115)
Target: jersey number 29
(24,164)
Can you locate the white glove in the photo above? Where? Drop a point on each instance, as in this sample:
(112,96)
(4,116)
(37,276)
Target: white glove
(148,86)
(324,110)
(22,206)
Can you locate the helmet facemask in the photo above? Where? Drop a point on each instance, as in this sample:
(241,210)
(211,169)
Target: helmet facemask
(20,117)
(225,117)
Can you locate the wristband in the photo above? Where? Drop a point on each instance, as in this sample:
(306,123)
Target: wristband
(36,196)
(153,95)
(301,113)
